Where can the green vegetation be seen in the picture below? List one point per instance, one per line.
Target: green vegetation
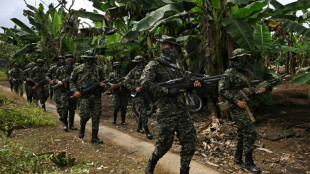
(3, 76)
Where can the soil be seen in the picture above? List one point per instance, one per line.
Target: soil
(216, 143)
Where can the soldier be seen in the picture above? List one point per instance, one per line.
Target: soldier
(29, 84)
(83, 76)
(173, 116)
(67, 106)
(119, 93)
(239, 76)
(17, 76)
(38, 76)
(50, 76)
(132, 82)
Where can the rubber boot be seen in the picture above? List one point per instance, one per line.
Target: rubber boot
(139, 129)
(150, 166)
(238, 157)
(249, 164)
(123, 119)
(114, 118)
(184, 170)
(82, 131)
(94, 138)
(43, 106)
(71, 120)
(147, 133)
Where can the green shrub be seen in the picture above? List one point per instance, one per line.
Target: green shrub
(3, 76)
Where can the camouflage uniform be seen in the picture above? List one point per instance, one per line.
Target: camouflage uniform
(120, 93)
(39, 73)
(234, 81)
(132, 81)
(66, 106)
(29, 84)
(173, 116)
(17, 74)
(83, 76)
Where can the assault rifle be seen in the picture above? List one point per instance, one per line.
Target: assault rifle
(90, 89)
(245, 93)
(40, 83)
(66, 80)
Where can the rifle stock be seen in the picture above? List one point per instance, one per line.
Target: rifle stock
(41, 82)
(67, 79)
(89, 90)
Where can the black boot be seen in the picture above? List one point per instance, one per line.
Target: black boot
(150, 166)
(94, 138)
(72, 127)
(184, 170)
(65, 127)
(238, 157)
(114, 118)
(139, 129)
(82, 131)
(249, 164)
(123, 119)
(71, 120)
(147, 133)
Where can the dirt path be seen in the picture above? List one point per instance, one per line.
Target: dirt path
(170, 162)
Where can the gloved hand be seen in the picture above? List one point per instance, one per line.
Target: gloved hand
(173, 92)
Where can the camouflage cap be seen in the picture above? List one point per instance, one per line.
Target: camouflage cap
(138, 59)
(239, 52)
(168, 39)
(89, 55)
(116, 64)
(39, 61)
(69, 55)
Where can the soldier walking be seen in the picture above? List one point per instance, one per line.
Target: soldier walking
(17, 76)
(132, 82)
(29, 83)
(119, 93)
(83, 76)
(173, 116)
(38, 76)
(239, 76)
(67, 106)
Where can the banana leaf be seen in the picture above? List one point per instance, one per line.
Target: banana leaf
(249, 9)
(262, 37)
(294, 26)
(304, 78)
(302, 70)
(25, 50)
(89, 15)
(293, 7)
(240, 31)
(22, 25)
(286, 49)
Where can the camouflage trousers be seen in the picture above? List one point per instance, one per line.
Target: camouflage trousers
(120, 102)
(41, 93)
(246, 129)
(18, 88)
(182, 124)
(29, 92)
(57, 93)
(140, 102)
(66, 107)
(90, 107)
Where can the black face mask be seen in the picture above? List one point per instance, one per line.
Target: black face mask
(170, 54)
(90, 62)
(140, 66)
(69, 64)
(241, 66)
(60, 64)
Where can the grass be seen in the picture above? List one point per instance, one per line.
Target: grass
(3, 76)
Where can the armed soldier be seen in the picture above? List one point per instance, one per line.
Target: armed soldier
(239, 76)
(119, 92)
(50, 76)
(132, 82)
(67, 106)
(29, 84)
(38, 76)
(173, 115)
(17, 76)
(82, 77)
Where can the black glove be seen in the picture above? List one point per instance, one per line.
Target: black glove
(173, 92)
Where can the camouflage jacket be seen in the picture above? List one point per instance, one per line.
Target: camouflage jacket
(132, 79)
(38, 73)
(16, 73)
(118, 79)
(83, 77)
(62, 73)
(232, 83)
(50, 75)
(155, 72)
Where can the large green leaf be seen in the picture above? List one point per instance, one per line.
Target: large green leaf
(262, 37)
(277, 5)
(24, 50)
(304, 78)
(302, 70)
(56, 24)
(238, 2)
(286, 49)
(22, 26)
(293, 7)
(89, 15)
(240, 31)
(249, 9)
(295, 27)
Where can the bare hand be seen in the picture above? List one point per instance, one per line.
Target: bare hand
(52, 82)
(138, 89)
(113, 86)
(77, 94)
(28, 79)
(14, 80)
(197, 84)
(59, 83)
(261, 90)
(102, 84)
(242, 104)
